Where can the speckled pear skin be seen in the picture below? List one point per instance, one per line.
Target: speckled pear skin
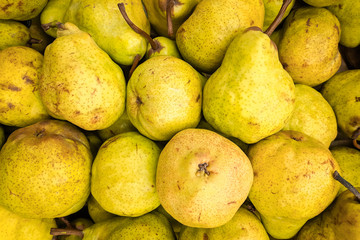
(204, 37)
(347, 12)
(13, 33)
(321, 3)
(272, 8)
(342, 93)
(20, 102)
(317, 228)
(312, 115)
(244, 225)
(190, 195)
(305, 29)
(80, 83)
(21, 10)
(164, 96)
(250, 96)
(14, 227)
(293, 181)
(123, 175)
(168, 48)
(54, 11)
(53, 178)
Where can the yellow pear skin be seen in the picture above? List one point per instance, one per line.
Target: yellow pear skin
(54, 12)
(194, 169)
(305, 29)
(80, 83)
(321, 3)
(342, 93)
(204, 37)
(293, 181)
(20, 102)
(53, 178)
(13, 33)
(250, 96)
(312, 115)
(167, 48)
(21, 10)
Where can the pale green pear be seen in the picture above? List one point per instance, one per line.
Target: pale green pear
(204, 37)
(164, 96)
(243, 226)
(96, 212)
(15, 227)
(304, 30)
(123, 175)
(342, 93)
(13, 33)
(54, 12)
(167, 47)
(293, 181)
(312, 115)
(45, 170)
(80, 83)
(347, 11)
(250, 96)
(20, 102)
(21, 10)
(195, 168)
(321, 3)
(272, 8)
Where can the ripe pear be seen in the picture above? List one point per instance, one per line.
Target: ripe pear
(21, 10)
(167, 48)
(243, 226)
(312, 115)
(80, 83)
(123, 175)
(45, 170)
(96, 212)
(204, 37)
(293, 181)
(20, 103)
(321, 3)
(342, 93)
(13, 33)
(37, 32)
(195, 168)
(272, 8)
(317, 229)
(15, 227)
(305, 29)
(164, 96)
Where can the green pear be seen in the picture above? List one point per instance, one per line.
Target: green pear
(20, 102)
(321, 3)
(21, 10)
(272, 8)
(250, 96)
(347, 11)
(204, 37)
(123, 175)
(317, 229)
(97, 212)
(37, 32)
(304, 30)
(312, 115)
(104, 22)
(80, 83)
(195, 168)
(54, 12)
(349, 162)
(13, 33)
(45, 170)
(167, 47)
(15, 227)
(342, 93)
(293, 181)
(243, 226)
(164, 96)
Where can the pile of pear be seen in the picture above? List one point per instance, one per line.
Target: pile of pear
(179, 119)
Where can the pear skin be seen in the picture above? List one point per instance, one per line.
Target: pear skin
(167, 48)
(96, 212)
(13, 33)
(21, 10)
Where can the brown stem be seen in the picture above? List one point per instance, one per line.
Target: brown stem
(34, 41)
(202, 167)
(169, 6)
(121, 7)
(57, 24)
(348, 185)
(134, 65)
(66, 232)
(278, 18)
(67, 223)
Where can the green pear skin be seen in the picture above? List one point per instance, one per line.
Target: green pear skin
(96, 212)
(13, 33)
(21, 10)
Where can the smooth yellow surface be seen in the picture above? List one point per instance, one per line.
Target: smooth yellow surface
(21, 10)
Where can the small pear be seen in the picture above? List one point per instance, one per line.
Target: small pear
(21, 10)
(13, 33)
(167, 48)
(272, 8)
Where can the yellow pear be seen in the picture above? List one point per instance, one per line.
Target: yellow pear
(21, 10)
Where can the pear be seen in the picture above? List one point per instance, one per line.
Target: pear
(167, 48)
(94, 142)
(321, 3)
(20, 103)
(45, 170)
(312, 115)
(53, 12)
(317, 229)
(243, 226)
(80, 83)
(15, 227)
(164, 96)
(13, 33)
(123, 175)
(272, 8)
(96, 212)
(21, 10)
(37, 32)
(176, 226)
(204, 37)
(293, 181)
(196, 167)
(305, 29)
(342, 93)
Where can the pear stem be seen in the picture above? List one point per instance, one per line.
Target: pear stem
(348, 185)
(278, 18)
(121, 7)
(202, 167)
(66, 232)
(34, 41)
(355, 135)
(134, 65)
(169, 6)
